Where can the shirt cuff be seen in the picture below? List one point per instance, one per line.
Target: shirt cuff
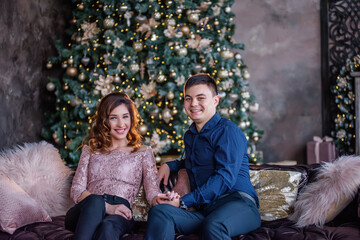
(189, 200)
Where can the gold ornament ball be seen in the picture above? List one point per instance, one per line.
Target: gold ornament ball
(64, 65)
(137, 46)
(108, 22)
(160, 78)
(223, 73)
(50, 86)
(49, 65)
(135, 68)
(173, 74)
(78, 39)
(193, 17)
(242, 125)
(174, 112)
(54, 135)
(117, 78)
(233, 96)
(178, 10)
(82, 77)
(81, 6)
(157, 15)
(246, 75)
(143, 129)
(182, 51)
(71, 60)
(256, 139)
(123, 8)
(170, 95)
(185, 29)
(170, 104)
(197, 68)
(71, 71)
(66, 87)
(85, 60)
(238, 56)
(141, 19)
(108, 41)
(170, 22)
(226, 54)
(166, 115)
(74, 21)
(88, 112)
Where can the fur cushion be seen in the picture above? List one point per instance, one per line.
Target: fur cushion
(336, 184)
(39, 170)
(17, 208)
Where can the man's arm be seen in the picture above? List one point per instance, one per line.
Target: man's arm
(230, 149)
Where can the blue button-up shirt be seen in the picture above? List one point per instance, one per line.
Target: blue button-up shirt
(216, 161)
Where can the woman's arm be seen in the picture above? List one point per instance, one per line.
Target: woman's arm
(151, 179)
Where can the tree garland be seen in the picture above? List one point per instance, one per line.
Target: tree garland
(344, 130)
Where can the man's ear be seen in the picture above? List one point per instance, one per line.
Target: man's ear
(216, 100)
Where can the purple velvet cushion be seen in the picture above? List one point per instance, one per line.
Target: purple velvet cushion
(17, 208)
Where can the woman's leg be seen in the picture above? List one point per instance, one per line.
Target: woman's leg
(85, 217)
(113, 227)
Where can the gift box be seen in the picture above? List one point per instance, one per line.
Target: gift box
(320, 150)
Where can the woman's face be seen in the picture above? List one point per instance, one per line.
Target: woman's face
(120, 123)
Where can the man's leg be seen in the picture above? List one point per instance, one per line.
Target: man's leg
(113, 227)
(165, 220)
(230, 216)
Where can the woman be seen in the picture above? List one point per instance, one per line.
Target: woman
(109, 173)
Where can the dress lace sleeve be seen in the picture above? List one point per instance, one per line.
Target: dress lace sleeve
(79, 183)
(150, 176)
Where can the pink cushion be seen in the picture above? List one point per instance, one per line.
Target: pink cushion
(17, 208)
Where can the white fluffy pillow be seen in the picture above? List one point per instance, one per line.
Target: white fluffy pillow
(335, 186)
(39, 170)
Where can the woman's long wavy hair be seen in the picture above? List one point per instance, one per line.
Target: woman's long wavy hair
(99, 137)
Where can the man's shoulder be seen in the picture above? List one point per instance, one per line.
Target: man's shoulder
(228, 124)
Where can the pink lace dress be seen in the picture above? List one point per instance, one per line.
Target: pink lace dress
(116, 173)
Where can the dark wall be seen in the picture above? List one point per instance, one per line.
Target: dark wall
(28, 32)
(282, 39)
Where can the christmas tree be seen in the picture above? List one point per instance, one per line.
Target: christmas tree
(147, 49)
(344, 120)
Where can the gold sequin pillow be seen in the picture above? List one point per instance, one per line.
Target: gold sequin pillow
(277, 191)
(140, 207)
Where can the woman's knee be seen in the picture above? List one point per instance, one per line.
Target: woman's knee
(94, 201)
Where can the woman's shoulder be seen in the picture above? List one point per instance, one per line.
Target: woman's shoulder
(144, 148)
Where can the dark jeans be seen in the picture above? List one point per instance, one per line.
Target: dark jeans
(88, 219)
(223, 218)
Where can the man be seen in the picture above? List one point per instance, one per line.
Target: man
(216, 161)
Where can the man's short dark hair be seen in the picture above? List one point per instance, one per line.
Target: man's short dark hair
(202, 78)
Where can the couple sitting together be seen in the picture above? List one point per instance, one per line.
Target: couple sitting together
(222, 202)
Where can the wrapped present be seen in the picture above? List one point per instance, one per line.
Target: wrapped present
(320, 150)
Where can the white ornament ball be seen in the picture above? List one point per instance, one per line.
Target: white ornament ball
(166, 115)
(170, 95)
(143, 129)
(138, 46)
(50, 86)
(193, 17)
(242, 125)
(82, 77)
(246, 75)
(182, 51)
(117, 78)
(108, 22)
(228, 9)
(134, 67)
(223, 73)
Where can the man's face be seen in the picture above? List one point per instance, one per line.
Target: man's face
(200, 104)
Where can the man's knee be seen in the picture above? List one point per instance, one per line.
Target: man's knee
(211, 226)
(160, 211)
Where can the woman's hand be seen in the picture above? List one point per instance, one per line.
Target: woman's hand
(171, 198)
(119, 209)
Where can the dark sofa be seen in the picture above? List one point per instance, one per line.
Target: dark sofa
(345, 226)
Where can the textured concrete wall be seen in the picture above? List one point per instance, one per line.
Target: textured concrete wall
(28, 32)
(282, 39)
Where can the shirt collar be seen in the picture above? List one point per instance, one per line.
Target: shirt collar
(209, 125)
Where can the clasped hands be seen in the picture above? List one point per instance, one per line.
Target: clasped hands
(118, 209)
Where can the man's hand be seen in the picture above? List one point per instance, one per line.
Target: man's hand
(164, 173)
(171, 198)
(119, 209)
